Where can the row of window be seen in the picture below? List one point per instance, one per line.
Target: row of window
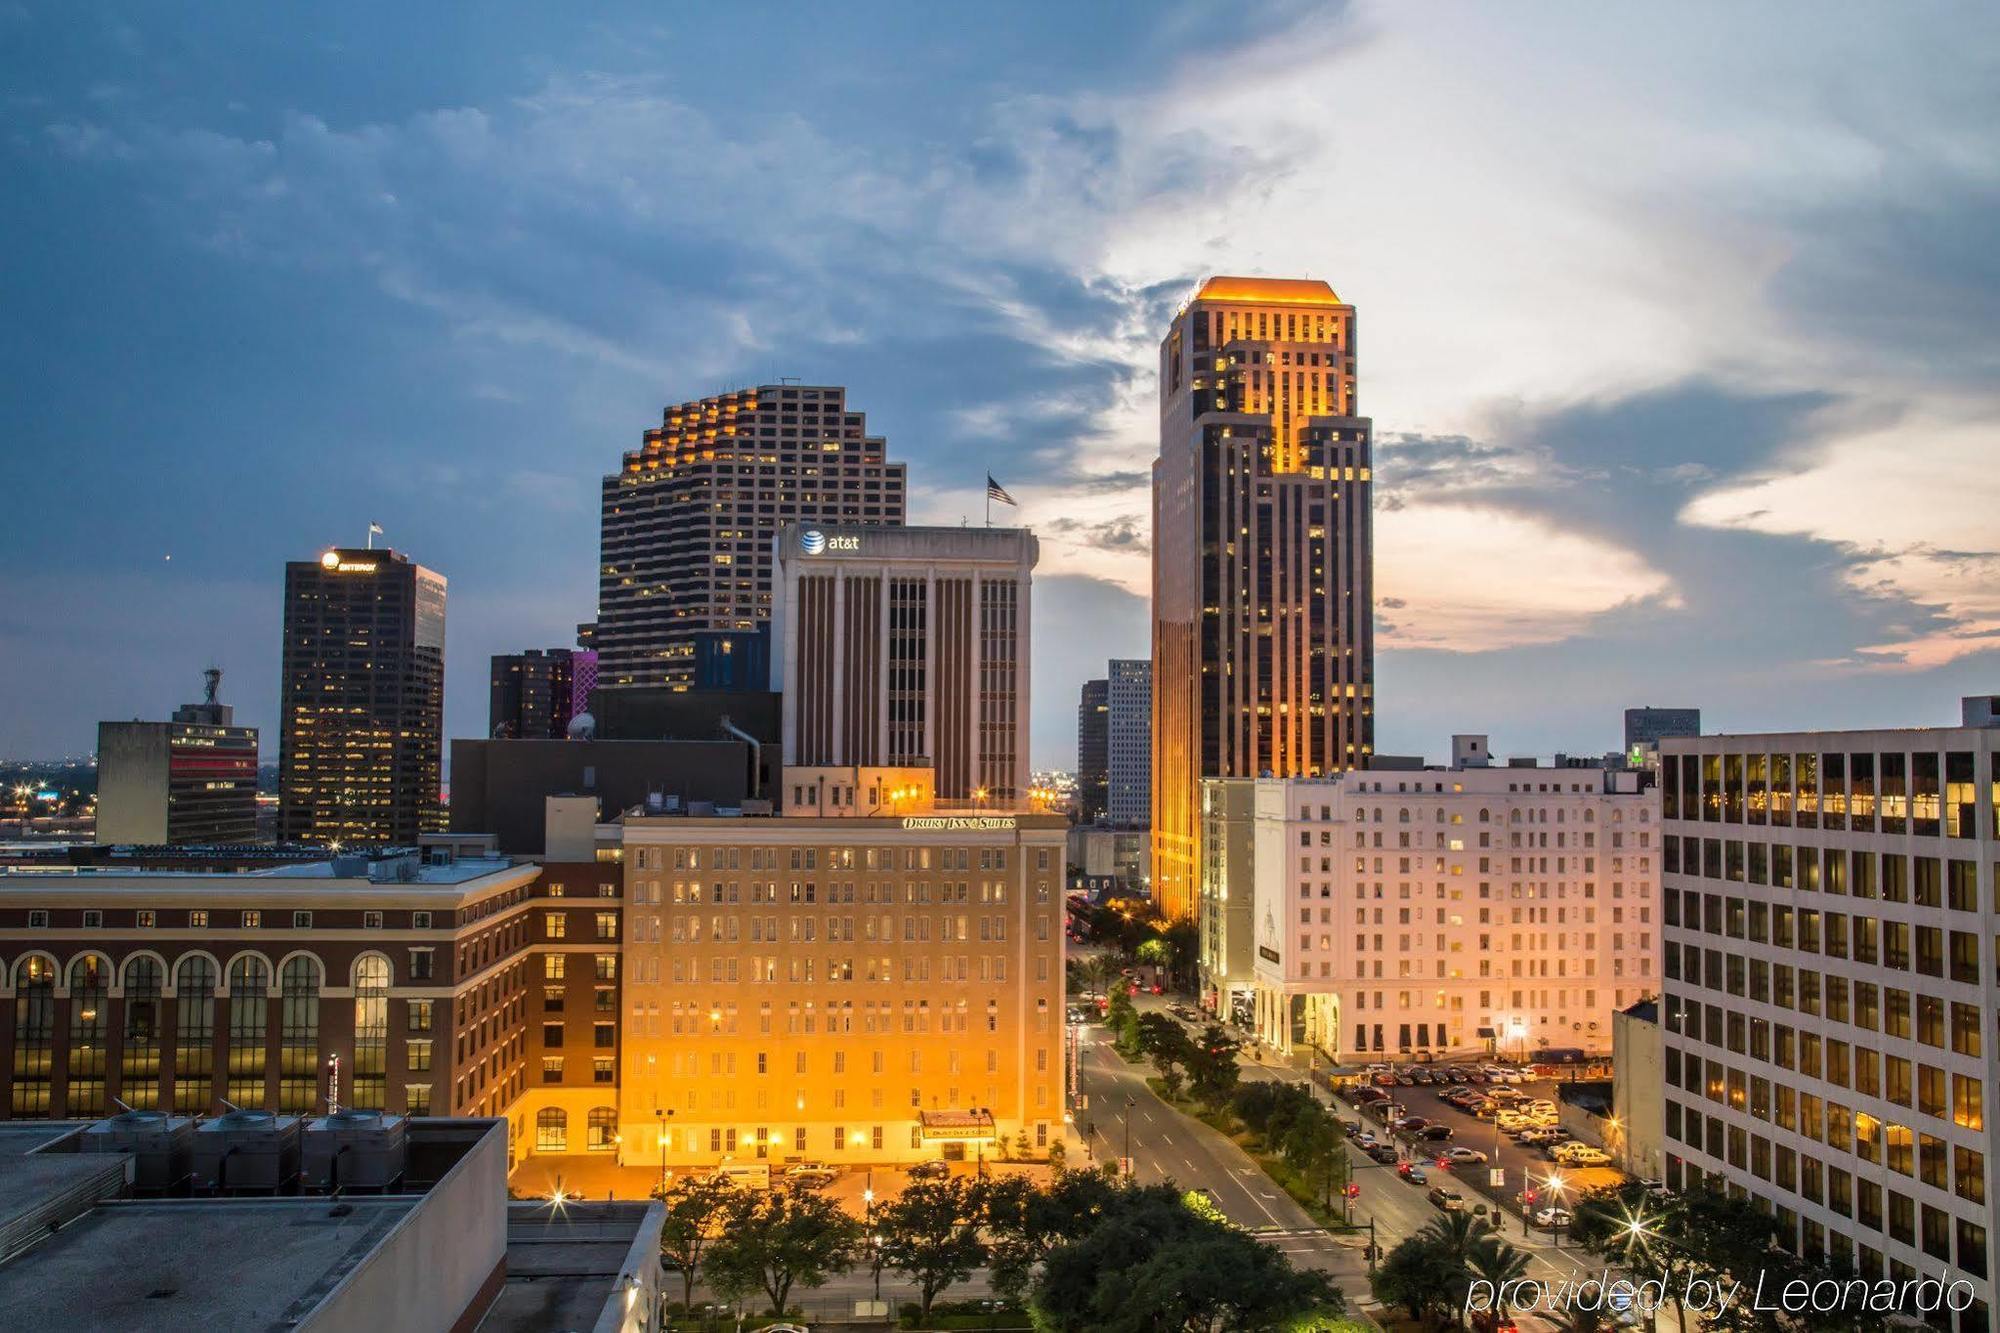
(197, 918)
(1923, 793)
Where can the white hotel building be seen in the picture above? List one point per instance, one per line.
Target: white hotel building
(1831, 1002)
(1412, 912)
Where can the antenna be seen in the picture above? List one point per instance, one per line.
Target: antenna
(211, 681)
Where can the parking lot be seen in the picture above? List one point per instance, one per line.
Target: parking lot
(1527, 1166)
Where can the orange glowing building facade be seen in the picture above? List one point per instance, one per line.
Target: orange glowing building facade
(1263, 566)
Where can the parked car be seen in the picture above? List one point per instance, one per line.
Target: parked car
(1382, 1153)
(1413, 1173)
(1542, 1106)
(1540, 1134)
(1370, 1095)
(1464, 1157)
(1385, 1079)
(744, 1175)
(1588, 1156)
(813, 1174)
(1423, 1076)
(1449, 1200)
(929, 1171)
(1435, 1133)
(1410, 1124)
(1406, 1078)
(1552, 1217)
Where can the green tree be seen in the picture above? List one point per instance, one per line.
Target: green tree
(1024, 1222)
(1147, 1262)
(695, 1207)
(1421, 1277)
(1495, 1263)
(1212, 1069)
(931, 1234)
(1154, 953)
(1318, 1151)
(778, 1240)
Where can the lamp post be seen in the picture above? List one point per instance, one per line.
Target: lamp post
(1127, 1162)
(660, 1118)
(878, 1267)
(868, 1198)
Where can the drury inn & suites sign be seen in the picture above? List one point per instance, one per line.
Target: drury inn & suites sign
(959, 823)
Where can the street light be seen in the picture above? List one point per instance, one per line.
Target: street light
(660, 1118)
(1127, 1163)
(878, 1267)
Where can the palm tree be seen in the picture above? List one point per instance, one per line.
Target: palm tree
(1496, 1264)
(1458, 1233)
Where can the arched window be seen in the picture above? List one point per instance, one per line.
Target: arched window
(1485, 816)
(551, 1130)
(298, 1052)
(139, 1063)
(194, 1034)
(371, 1032)
(603, 1129)
(249, 1030)
(89, 1025)
(34, 1035)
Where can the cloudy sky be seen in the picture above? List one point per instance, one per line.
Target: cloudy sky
(1680, 325)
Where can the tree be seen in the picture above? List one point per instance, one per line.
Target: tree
(930, 1234)
(1154, 953)
(1183, 941)
(1058, 1156)
(695, 1207)
(1024, 1222)
(1147, 1262)
(777, 1240)
(1318, 1152)
(1422, 1277)
(1212, 1071)
(1495, 1263)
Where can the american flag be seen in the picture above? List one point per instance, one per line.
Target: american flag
(995, 491)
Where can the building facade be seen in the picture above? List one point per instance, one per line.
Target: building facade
(178, 992)
(1453, 911)
(1093, 750)
(864, 989)
(532, 694)
(686, 561)
(1226, 904)
(191, 780)
(361, 734)
(1829, 1000)
(1263, 589)
(1129, 743)
(907, 648)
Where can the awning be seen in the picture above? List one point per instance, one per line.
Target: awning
(938, 1126)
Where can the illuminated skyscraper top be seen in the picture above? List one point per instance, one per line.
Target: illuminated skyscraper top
(1263, 588)
(684, 579)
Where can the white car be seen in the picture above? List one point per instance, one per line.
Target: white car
(1588, 1156)
(1465, 1157)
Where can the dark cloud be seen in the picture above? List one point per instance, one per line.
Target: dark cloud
(1120, 534)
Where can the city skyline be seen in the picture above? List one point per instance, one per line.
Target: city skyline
(1614, 416)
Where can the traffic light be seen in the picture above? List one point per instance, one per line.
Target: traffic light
(1353, 1190)
(1528, 1196)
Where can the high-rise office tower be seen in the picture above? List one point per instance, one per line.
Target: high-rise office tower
(907, 648)
(191, 780)
(1829, 1011)
(362, 725)
(685, 574)
(1263, 589)
(1129, 743)
(533, 694)
(1093, 750)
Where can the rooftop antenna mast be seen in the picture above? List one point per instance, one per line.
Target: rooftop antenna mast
(211, 681)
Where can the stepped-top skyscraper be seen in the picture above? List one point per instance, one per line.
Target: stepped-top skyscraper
(684, 578)
(361, 732)
(1263, 587)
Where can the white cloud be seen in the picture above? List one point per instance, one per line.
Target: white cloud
(1474, 580)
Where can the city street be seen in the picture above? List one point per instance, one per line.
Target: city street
(1166, 1145)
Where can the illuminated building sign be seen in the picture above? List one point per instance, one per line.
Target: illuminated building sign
(814, 542)
(332, 562)
(959, 823)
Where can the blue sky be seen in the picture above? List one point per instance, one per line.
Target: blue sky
(1680, 328)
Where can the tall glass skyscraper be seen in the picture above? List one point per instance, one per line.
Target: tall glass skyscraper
(362, 726)
(1263, 586)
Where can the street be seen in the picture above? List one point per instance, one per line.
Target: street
(1169, 1146)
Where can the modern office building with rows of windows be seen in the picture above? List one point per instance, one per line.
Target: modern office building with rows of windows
(1832, 984)
(684, 577)
(1263, 558)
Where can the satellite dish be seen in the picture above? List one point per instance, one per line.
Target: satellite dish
(583, 727)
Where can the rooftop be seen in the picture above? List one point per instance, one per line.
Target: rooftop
(565, 1263)
(1268, 291)
(197, 1264)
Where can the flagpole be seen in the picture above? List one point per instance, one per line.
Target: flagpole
(989, 499)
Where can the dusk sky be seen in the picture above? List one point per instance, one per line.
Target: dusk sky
(1679, 325)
